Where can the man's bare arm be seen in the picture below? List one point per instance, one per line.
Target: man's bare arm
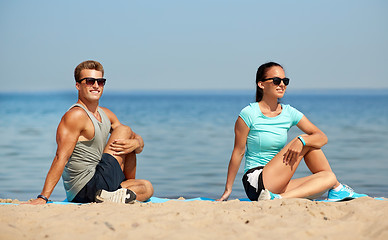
(68, 132)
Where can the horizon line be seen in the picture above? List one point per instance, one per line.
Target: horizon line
(213, 91)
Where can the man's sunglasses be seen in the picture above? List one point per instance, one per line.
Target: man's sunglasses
(90, 81)
(277, 80)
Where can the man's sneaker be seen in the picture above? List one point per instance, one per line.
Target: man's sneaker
(121, 195)
(345, 193)
(267, 195)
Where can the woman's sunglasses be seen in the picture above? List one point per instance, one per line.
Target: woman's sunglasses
(277, 80)
(90, 81)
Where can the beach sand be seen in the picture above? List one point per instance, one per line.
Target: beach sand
(363, 218)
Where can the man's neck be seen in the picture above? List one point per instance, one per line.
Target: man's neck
(90, 106)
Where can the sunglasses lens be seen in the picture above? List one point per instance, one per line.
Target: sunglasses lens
(101, 82)
(276, 80)
(91, 81)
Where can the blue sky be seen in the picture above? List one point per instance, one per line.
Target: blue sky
(194, 45)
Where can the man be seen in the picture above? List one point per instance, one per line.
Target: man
(93, 167)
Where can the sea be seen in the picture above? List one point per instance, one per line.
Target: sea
(189, 137)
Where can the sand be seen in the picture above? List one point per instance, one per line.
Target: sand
(363, 218)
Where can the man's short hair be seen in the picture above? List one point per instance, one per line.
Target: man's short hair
(89, 64)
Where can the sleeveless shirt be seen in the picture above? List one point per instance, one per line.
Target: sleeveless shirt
(82, 163)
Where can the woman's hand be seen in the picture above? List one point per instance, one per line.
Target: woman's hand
(241, 131)
(293, 152)
(124, 146)
(225, 196)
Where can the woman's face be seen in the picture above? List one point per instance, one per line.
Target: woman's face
(269, 88)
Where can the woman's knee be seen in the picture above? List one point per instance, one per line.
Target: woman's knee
(330, 178)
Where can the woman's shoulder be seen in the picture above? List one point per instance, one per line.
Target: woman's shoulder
(250, 107)
(248, 113)
(292, 111)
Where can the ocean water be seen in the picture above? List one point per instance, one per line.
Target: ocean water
(189, 138)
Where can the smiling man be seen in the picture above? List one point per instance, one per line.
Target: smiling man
(94, 166)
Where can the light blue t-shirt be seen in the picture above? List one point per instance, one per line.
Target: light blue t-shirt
(267, 135)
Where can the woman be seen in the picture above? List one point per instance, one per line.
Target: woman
(262, 128)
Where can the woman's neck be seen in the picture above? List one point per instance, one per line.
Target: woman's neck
(269, 104)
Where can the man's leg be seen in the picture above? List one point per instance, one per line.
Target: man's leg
(129, 168)
(142, 188)
(120, 132)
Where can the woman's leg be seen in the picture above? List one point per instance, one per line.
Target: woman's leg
(277, 176)
(315, 184)
(316, 161)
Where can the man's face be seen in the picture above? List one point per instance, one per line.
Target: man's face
(90, 92)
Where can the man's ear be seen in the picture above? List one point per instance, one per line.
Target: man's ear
(77, 85)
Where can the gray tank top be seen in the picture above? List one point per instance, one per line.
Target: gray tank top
(86, 155)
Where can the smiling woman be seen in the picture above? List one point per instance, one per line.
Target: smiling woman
(270, 164)
(273, 69)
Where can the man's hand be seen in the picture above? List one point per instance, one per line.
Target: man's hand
(141, 142)
(124, 146)
(37, 201)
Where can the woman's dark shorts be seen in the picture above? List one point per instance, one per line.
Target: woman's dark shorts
(108, 176)
(253, 182)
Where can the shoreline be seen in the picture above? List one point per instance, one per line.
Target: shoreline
(363, 218)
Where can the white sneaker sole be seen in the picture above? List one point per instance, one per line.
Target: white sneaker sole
(121, 195)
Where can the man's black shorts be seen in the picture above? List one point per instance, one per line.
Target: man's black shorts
(108, 176)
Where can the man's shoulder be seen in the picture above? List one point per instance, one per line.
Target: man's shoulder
(76, 111)
(106, 110)
(112, 117)
(76, 115)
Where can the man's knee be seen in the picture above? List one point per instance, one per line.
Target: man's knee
(145, 187)
(148, 186)
(124, 130)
